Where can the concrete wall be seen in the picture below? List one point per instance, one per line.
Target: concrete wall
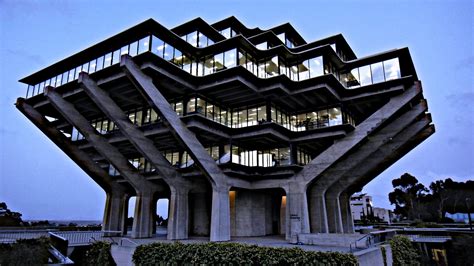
(373, 256)
(199, 214)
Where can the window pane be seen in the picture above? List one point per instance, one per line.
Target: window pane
(243, 118)
(99, 63)
(78, 70)
(64, 77)
(303, 70)
(168, 55)
(70, 76)
(226, 33)
(262, 46)
(116, 57)
(252, 117)
(193, 38)
(85, 67)
(219, 61)
(202, 40)
(108, 60)
(262, 114)
(157, 46)
(272, 67)
(210, 111)
(124, 50)
(133, 48)
(200, 105)
(281, 36)
(179, 108)
(335, 116)
(178, 58)
(316, 66)
(209, 66)
(191, 106)
(230, 58)
(365, 75)
(392, 69)
(143, 45)
(377, 72)
(352, 78)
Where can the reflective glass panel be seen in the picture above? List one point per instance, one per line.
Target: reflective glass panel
(316, 66)
(365, 75)
(200, 106)
(192, 38)
(377, 72)
(99, 63)
(108, 60)
(168, 55)
(230, 58)
(158, 46)
(335, 116)
(191, 106)
(392, 69)
(219, 61)
(116, 57)
(133, 48)
(143, 45)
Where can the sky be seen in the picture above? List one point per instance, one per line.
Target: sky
(41, 182)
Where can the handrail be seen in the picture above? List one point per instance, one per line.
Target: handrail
(369, 239)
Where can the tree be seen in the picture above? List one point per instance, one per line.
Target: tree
(9, 218)
(407, 196)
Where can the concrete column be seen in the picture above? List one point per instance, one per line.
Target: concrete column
(283, 215)
(178, 214)
(297, 221)
(333, 213)
(143, 220)
(346, 213)
(220, 214)
(319, 222)
(114, 216)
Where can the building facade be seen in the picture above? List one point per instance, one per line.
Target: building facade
(247, 132)
(362, 208)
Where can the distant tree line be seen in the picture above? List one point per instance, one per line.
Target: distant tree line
(8, 217)
(414, 201)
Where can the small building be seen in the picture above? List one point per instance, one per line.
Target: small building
(362, 207)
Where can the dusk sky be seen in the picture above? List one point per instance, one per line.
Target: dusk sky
(40, 181)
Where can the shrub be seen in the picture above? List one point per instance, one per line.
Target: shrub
(403, 252)
(99, 254)
(25, 252)
(234, 254)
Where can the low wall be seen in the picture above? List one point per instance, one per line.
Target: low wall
(374, 256)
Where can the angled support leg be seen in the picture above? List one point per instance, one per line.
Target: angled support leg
(319, 220)
(114, 214)
(298, 216)
(347, 221)
(178, 214)
(334, 213)
(220, 214)
(143, 219)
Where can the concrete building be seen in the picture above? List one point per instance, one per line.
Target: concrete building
(247, 132)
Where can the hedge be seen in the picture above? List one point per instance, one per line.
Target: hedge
(234, 254)
(99, 254)
(403, 251)
(25, 252)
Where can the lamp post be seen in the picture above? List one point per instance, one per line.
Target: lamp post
(468, 205)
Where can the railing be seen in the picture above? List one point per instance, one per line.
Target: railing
(367, 239)
(427, 238)
(11, 236)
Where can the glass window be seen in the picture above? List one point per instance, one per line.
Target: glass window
(210, 111)
(335, 116)
(202, 40)
(208, 65)
(225, 119)
(352, 78)
(124, 50)
(192, 38)
(179, 108)
(365, 75)
(154, 116)
(272, 67)
(316, 66)
(92, 66)
(323, 118)
(235, 154)
(99, 63)
(187, 64)
(261, 70)
(377, 72)
(243, 118)
(252, 117)
(282, 38)
(168, 55)
(58, 81)
(303, 70)
(85, 67)
(191, 106)
(230, 58)
(200, 106)
(262, 46)
(116, 57)
(283, 68)
(71, 75)
(143, 45)
(262, 114)
(219, 61)
(226, 33)
(392, 69)
(178, 58)
(133, 48)
(235, 119)
(78, 70)
(284, 156)
(108, 60)
(293, 71)
(158, 46)
(64, 77)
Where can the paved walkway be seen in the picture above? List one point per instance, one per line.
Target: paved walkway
(122, 253)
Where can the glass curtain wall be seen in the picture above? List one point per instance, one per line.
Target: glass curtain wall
(371, 74)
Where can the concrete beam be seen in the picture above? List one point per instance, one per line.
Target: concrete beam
(220, 214)
(111, 153)
(341, 147)
(99, 175)
(158, 102)
(297, 218)
(178, 214)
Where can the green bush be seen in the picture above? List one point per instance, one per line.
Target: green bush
(25, 252)
(234, 254)
(403, 251)
(99, 254)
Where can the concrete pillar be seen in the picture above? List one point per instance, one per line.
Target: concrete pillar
(297, 220)
(178, 214)
(333, 213)
(199, 214)
(319, 222)
(143, 220)
(220, 214)
(114, 213)
(346, 213)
